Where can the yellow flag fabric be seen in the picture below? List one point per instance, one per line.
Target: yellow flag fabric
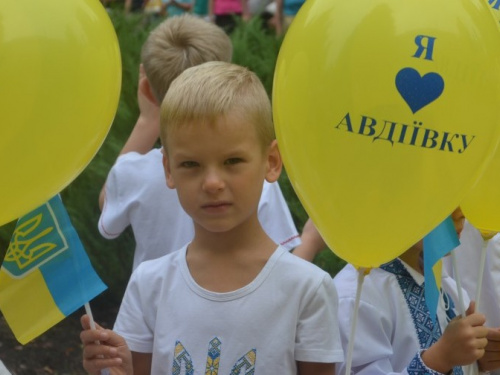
(46, 274)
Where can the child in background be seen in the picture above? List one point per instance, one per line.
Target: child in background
(395, 333)
(224, 13)
(232, 301)
(135, 192)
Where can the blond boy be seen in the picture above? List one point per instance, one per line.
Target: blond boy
(232, 301)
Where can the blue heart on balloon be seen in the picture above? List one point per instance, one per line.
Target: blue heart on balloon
(416, 90)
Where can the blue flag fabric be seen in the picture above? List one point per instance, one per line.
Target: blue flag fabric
(46, 274)
(439, 242)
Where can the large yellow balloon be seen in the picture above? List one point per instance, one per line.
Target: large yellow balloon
(482, 204)
(386, 113)
(60, 78)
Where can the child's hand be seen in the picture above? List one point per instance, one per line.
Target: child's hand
(491, 359)
(104, 349)
(462, 343)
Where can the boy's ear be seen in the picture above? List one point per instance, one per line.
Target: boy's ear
(145, 87)
(274, 162)
(166, 169)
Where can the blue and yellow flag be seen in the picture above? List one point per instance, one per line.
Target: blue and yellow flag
(46, 274)
(439, 242)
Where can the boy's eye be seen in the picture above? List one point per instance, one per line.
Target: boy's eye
(188, 164)
(232, 161)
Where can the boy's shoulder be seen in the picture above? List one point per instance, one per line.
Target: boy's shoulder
(131, 170)
(377, 284)
(134, 159)
(157, 268)
(298, 267)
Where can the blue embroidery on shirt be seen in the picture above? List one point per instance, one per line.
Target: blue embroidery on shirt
(415, 298)
(181, 356)
(213, 357)
(182, 360)
(246, 364)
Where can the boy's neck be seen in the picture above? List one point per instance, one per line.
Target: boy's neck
(224, 262)
(412, 257)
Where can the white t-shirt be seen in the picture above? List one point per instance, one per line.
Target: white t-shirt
(137, 195)
(385, 341)
(288, 313)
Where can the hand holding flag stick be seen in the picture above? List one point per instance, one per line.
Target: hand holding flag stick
(93, 327)
(104, 351)
(486, 236)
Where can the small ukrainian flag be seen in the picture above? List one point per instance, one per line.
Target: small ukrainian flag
(438, 243)
(46, 274)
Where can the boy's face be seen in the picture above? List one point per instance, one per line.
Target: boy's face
(458, 220)
(219, 170)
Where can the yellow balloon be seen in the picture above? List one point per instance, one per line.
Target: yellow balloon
(481, 205)
(60, 78)
(386, 113)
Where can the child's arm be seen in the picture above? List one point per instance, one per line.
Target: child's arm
(211, 14)
(312, 242)
(146, 130)
(142, 363)
(315, 368)
(245, 12)
(277, 20)
(462, 343)
(128, 6)
(104, 349)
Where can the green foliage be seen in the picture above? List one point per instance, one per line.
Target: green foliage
(256, 49)
(253, 48)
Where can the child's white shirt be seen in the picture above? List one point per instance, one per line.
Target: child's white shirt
(288, 313)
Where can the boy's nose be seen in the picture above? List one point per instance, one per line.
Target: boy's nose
(213, 181)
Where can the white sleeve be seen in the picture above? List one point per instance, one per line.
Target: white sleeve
(318, 337)
(114, 217)
(372, 346)
(275, 217)
(132, 322)
(490, 300)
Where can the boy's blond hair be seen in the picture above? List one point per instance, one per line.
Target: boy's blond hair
(203, 93)
(179, 43)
